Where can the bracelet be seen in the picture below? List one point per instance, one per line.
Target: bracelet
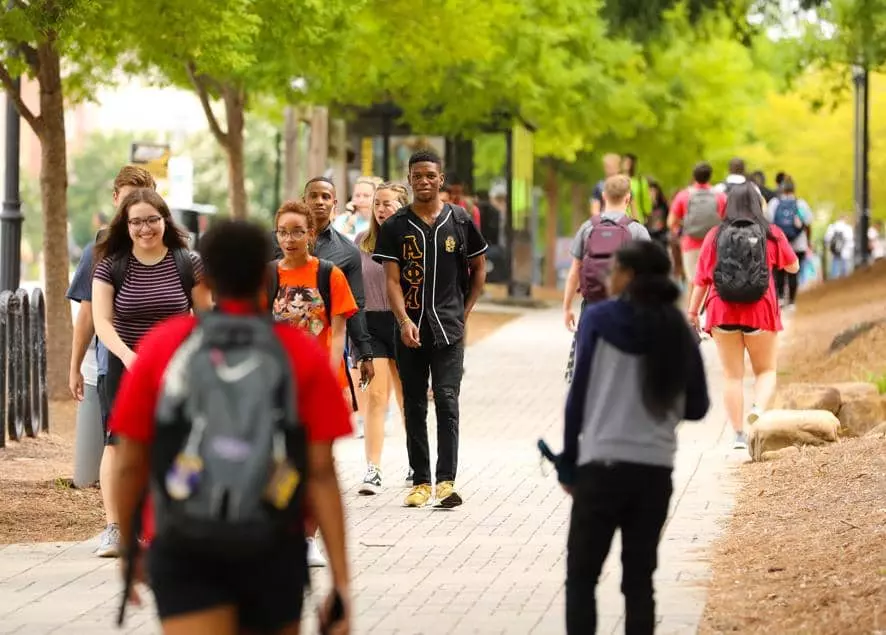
(403, 321)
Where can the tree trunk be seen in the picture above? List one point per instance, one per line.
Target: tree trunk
(53, 195)
(291, 163)
(319, 148)
(581, 208)
(553, 206)
(338, 133)
(235, 117)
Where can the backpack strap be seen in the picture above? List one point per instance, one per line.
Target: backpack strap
(272, 283)
(185, 267)
(324, 286)
(119, 265)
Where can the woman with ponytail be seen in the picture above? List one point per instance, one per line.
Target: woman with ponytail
(638, 373)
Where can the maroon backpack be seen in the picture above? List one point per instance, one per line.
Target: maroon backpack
(604, 240)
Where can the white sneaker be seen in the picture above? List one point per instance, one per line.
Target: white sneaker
(371, 482)
(109, 542)
(315, 558)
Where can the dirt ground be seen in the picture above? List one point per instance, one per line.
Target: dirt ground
(37, 501)
(805, 550)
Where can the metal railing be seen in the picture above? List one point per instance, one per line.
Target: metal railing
(24, 403)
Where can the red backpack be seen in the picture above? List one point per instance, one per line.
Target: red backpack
(604, 240)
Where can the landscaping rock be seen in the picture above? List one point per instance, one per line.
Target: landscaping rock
(851, 390)
(784, 453)
(861, 413)
(808, 397)
(878, 431)
(778, 429)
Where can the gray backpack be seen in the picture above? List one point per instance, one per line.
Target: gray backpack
(702, 213)
(229, 458)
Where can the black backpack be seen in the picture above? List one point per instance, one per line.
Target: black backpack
(741, 274)
(838, 242)
(324, 285)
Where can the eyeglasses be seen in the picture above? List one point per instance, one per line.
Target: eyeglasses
(151, 221)
(283, 234)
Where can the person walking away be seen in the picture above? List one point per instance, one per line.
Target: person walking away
(695, 211)
(611, 167)
(735, 177)
(759, 179)
(657, 223)
(311, 294)
(735, 274)
(794, 218)
(592, 249)
(641, 199)
(434, 262)
(638, 372)
(382, 325)
(361, 200)
(204, 392)
(458, 196)
(839, 238)
(330, 244)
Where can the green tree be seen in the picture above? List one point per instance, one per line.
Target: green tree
(235, 52)
(67, 47)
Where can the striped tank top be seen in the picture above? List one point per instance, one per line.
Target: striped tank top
(150, 294)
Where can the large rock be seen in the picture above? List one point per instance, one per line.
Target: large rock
(852, 390)
(860, 413)
(807, 397)
(879, 430)
(777, 429)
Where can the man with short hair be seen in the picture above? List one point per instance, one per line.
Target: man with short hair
(611, 166)
(691, 217)
(759, 179)
(735, 177)
(130, 177)
(434, 261)
(794, 217)
(617, 200)
(332, 245)
(197, 591)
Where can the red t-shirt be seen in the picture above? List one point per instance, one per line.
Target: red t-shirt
(764, 313)
(321, 406)
(679, 207)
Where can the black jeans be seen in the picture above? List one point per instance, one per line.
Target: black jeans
(630, 497)
(445, 366)
(792, 279)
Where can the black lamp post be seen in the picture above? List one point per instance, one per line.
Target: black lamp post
(862, 145)
(11, 216)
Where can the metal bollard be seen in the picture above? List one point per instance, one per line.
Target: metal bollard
(5, 298)
(39, 389)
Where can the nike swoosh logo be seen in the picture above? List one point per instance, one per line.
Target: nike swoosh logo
(233, 374)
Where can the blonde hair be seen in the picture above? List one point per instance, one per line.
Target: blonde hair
(367, 245)
(617, 188)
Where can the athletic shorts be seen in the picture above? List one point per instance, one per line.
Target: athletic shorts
(737, 328)
(268, 591)
(383, 333)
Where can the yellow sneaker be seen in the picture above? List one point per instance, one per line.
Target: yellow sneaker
(447, 497)
(418, 496)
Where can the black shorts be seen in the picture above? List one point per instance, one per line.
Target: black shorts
(383, 333)
(107, 387)
(738, 328)
(267, 591)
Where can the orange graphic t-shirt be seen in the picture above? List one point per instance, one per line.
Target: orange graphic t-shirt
(299, 303)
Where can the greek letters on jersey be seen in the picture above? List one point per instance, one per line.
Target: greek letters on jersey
(431, 260)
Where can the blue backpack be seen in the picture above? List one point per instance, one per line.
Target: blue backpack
(786, 213)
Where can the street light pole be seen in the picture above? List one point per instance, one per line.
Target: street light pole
(11, 216)
(862, 146)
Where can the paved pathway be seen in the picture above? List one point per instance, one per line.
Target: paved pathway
(495, 565)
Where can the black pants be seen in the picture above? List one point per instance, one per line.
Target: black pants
(108, 393)
(630, 497)
(445, 367)
(791, 279)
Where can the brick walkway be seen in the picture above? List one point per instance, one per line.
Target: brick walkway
(495, 565)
